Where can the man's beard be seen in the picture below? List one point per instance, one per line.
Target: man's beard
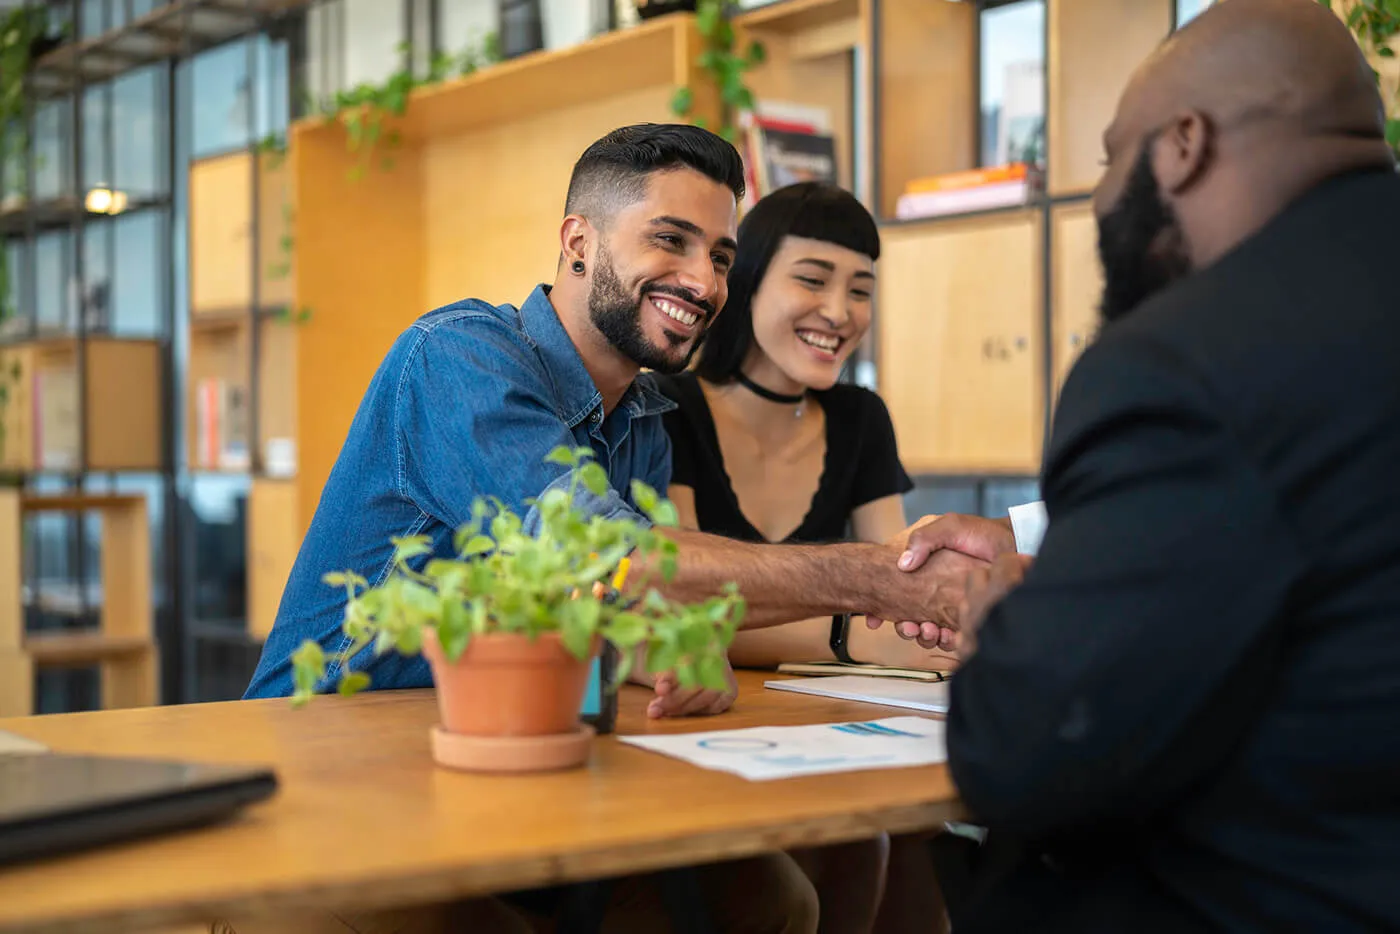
(1141, 244)
(618, 316)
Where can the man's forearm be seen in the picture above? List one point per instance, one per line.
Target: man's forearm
(786, 583)
(780, 583)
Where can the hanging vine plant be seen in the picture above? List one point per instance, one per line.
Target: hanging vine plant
(725, 67)
(1376, 23)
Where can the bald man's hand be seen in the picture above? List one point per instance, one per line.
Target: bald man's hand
(951, 546)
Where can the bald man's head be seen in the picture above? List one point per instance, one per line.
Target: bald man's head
(1232, 118)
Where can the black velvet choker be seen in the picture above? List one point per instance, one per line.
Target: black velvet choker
(768, 394)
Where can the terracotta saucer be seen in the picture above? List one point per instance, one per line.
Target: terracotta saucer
(512, 753)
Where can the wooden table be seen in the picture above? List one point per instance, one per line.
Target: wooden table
(364, 819)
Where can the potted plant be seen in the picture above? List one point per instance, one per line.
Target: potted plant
(511, 623)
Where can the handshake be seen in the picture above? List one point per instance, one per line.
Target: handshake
(952, 568)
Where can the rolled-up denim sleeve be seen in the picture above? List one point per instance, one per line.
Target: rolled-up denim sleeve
(475, 418)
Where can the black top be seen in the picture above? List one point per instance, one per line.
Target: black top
(1189, 713)
(861, 465)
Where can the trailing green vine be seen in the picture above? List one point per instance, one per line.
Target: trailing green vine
(362, 111)
(724, 65)
(1375, 23)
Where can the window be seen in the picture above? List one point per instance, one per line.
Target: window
(140, 131)
(1187, 10)
(1013, 82)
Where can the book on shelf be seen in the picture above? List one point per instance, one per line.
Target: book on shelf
(783, 144)
(1009, 185)
(221, 425)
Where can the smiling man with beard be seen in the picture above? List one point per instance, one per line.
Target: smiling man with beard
(1183, 714)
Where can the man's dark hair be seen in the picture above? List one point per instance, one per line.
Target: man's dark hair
(814, 210)
(613, 171)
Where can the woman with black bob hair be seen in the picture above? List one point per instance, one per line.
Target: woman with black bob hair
(769, 445)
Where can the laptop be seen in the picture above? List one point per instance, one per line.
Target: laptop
(52, 803)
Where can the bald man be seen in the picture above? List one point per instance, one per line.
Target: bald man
(1184, 713)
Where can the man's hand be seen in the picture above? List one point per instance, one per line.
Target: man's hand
(672, 700)
(985, 588)
(972, 535)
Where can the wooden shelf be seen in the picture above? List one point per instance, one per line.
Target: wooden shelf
(218, 393)
(655, 52)
(221, 234)
(78, 649)
(122, 645)
(116, 415)
(793, 16)
(927, 81)
(1094, 47)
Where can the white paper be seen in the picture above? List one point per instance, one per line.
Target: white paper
(915, 695)
(763, 753)
(14, 744)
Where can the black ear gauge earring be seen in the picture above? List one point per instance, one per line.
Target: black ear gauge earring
(578, 267)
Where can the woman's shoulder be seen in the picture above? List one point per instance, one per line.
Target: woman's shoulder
(851, 400)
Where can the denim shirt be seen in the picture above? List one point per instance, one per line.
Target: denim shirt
(467, 403)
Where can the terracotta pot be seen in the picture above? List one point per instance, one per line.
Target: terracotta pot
(509, 685)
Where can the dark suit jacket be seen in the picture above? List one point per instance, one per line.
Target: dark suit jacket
(1188, 717)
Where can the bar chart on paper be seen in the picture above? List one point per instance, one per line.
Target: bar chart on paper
(765, 753)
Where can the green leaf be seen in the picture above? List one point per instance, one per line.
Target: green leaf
(477, 545)
(669, 565)
(561, 455)
(665, 514)
(681, 101)
(1392, 133)
(409, 547)
(1385, 51)
(627, 630)
(594, 478)
(353, 682)
(713, 673)
(334, 578)
(644, 496)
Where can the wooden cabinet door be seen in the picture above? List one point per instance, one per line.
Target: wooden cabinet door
(960, 336)
(1077, 285)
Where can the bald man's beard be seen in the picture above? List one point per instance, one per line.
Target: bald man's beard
(618, 316)
(1141, 244)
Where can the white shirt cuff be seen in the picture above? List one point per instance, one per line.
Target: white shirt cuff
(1028, 522)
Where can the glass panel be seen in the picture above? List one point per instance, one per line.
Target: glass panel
(373, 31)
(1013, 83)
(220, 99)
(273, 95)
(92, 17)
(1187, 10)
(53, 265)
(97, 276)
(219, 507)
(52, 145)
(97, 170)
(139, 295)
(14, 315)
(139, 143)
(142, 7)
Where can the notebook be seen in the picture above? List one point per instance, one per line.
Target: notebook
(862, 668)
(915, 695)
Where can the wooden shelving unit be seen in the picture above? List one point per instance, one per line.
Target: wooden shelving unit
(122, 646)
(94, 406)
